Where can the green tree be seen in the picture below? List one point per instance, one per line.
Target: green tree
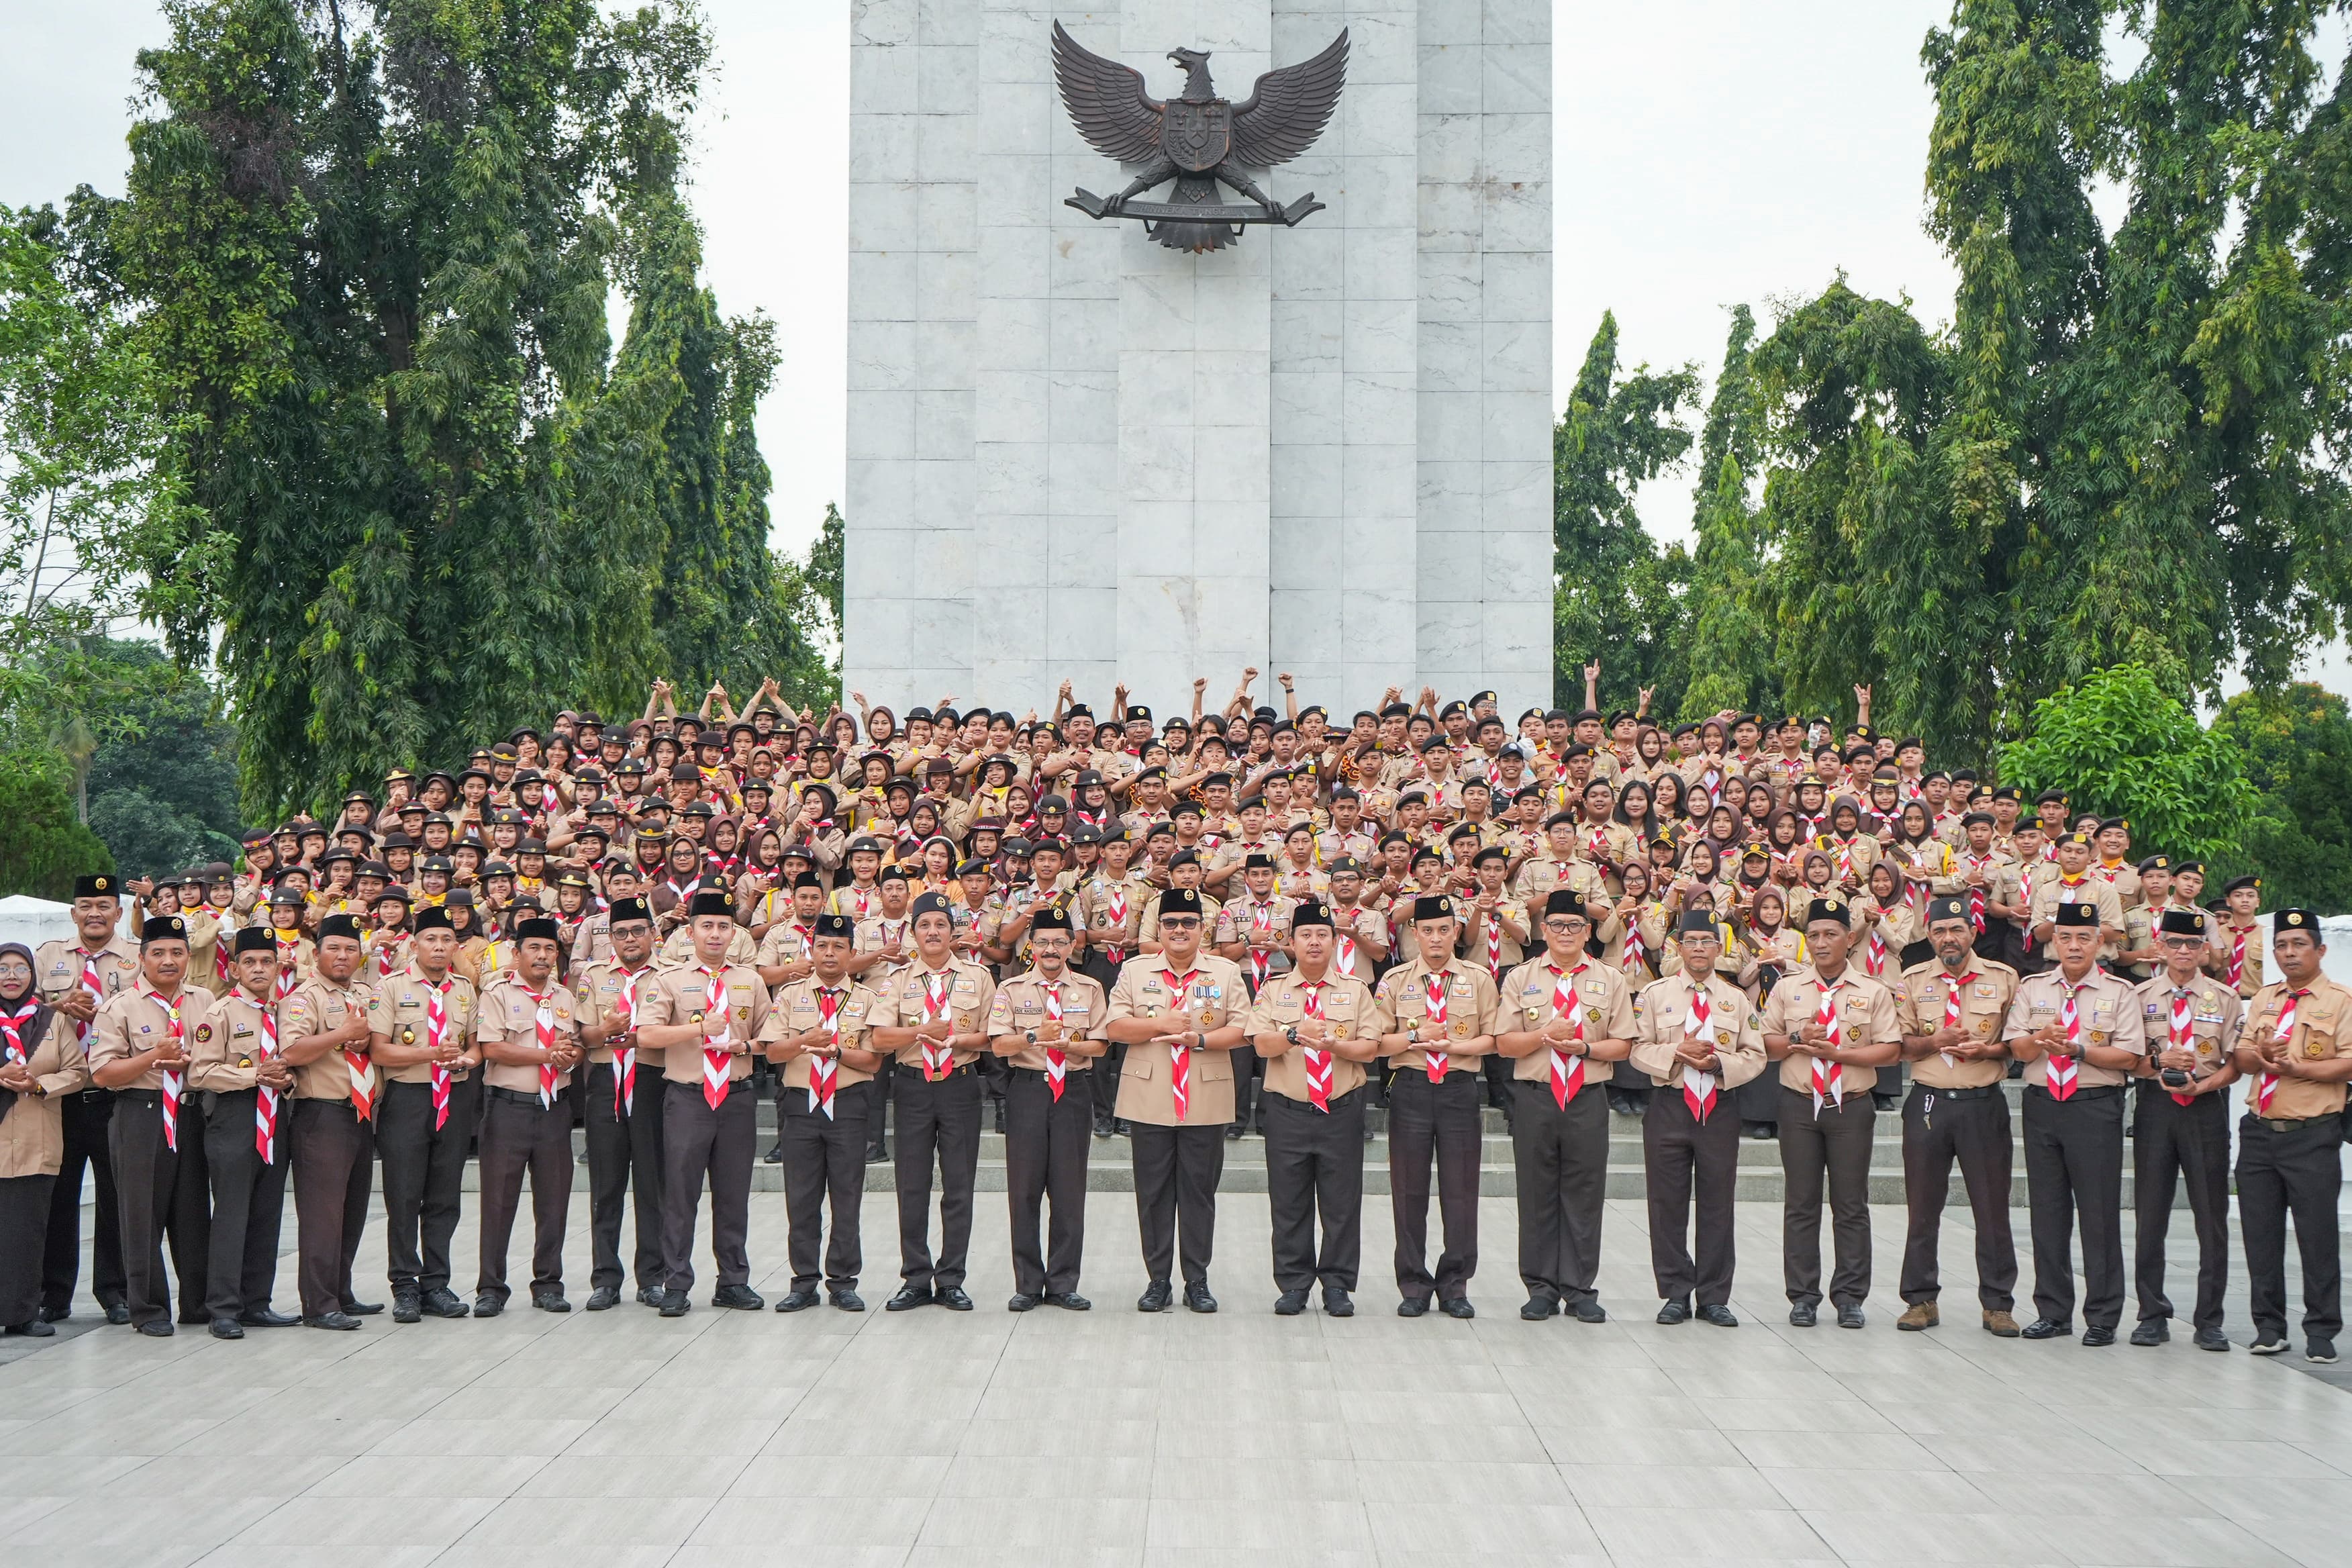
(1617, 599)
(2120, 744)
(2296, 745)
(44, 845)
(1731, 657)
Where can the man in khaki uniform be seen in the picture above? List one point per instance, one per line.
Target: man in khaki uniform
(2075, 884)
(624, 1118)
(817, 1034)
(76, 977)
(420, 1037)
(1313, 1027)
(1436, 1015)
(529, 1037)
(1831, 1027)
(1048, 1023)
(1565, 1021)
(2296, 1053)
(1952, 1009)
(238, 1074)
(2080, 1034)
(1180, 1012)
(322, 1031)
(1697, 1040)
(1109, 909)
(2181, 1128)
(933, 1015)
(146, 1033)
(703, 1018)
(2237, 955)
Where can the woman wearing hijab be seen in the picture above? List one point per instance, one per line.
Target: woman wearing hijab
(39, 1066)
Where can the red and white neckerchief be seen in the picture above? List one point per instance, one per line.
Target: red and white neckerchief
(2237, 956)
(1115, 911)
(1711, 782)
(1180, 1071)
(2266, 1084)
(1698, 1088)
(288, 967)
(386, 947)
(1343, 959)
(1952, 985)
(1873, 957)
(1433, 994)
(863, 898)
(1494, 941)
(174, 1078)
(1596, 844)
(1567, 1067)
(1634, 959)
(1977, 862)
(825, 1072)
(2063, 1068)
(938, 1056)
(13, 1049)
(2180, 1034)
(1058, 1060)
(436, 1029)
(2070, 887)
(1260, 958)
(265, 1102)
(716, 1060)
(1317, 1061)
(543, 1023)
(624, 1050)
(1828, 1077)
(221, 969)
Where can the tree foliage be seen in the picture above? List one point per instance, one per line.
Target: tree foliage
(2296, 745)
(2120, 744)
(1731, 653)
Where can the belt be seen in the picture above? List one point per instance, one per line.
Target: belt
(1076, 1064)
(2102, 1091)
(956, 1071)
(521, 1096)
(2289, 1123)
(1980, 1093)
(93, 1096)
(143, 1096)
(1337, 1101)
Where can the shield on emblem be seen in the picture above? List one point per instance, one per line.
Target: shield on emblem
(1196, 136)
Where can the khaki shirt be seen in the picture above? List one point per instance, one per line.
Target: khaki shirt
(1248, 918)
(1210, 909)
(229, 1058)
(877, 936)
(1986, 990)
(787, 942)
(680, 995)
(1214, 996)
(1502, 953)
(131, 1021)
(397, 1010)
(2107, 1008)
(57, 969)
(1111, 912)
(1345, 1004)
(1401, 1004)
(2049, 893)
(511, 1012)
(1020, 1004)
(1867, 1016)
(798, 1010)
(597, 988)
(1356, 935)
(2225, 937)
(206, 952)
(2215, 1015)
(1527, 999)
(899, 1002)
(679, 947)
(322, 1007)
(1659, 1010)
(2318, 1035)
(32, 1135)
(1540, 876)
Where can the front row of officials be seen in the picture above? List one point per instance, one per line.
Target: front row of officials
(413, 1068)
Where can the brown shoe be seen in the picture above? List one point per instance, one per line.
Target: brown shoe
(2000, 1325)
(1922, 1315)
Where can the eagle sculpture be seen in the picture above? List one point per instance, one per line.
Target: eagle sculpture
(1198, 139)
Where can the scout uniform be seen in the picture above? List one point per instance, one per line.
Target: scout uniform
(1958, 1111)
(1111, 913)
(1048, 1115)
(935, 1095)
(1559, 1117)
(32, 1144)
(526, 1126)
(84, 1119)
(2290, 1154)
(2177, 1133)
(424, 1123)
(1690, 1140)
(2237, 955)
(624, 1117)
(1434, 1101)
(332, 1130)
(1255, 923)
(248, 1153)
(824, 1108)
(2075, 1137)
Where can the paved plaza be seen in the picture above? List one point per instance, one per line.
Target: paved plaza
(1111, 1437)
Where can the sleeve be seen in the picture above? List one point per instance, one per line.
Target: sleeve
(1885, 1020)
(1101, 1030)
(1122, 998)
(73, 1067)
(109, 1039)
(1622, 1023)
(1000, 1014)
(2021, 1016)
(490, 1014)
(1259, 1019)
(1384, 1013)
(1489, 1003)
(773, 1027)
(1775, 1016)
(2131, 1024)
(1746, 1059)
(761, 1008)
(298, 1017)
(379, 1011)
(1649, 1053)
(655, 1002)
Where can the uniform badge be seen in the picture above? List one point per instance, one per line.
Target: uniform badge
(407, 1036)
(1723, 1037)
(697, 1018)
(203, 1033)
(245, 1061)
(1592, 1015)
(2313, 1050)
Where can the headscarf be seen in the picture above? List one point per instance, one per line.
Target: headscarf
(35, 1024)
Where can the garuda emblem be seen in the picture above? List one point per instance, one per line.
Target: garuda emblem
(1197, 139)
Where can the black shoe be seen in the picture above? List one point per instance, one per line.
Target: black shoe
(1719, 1315)
(161, 1328)
(56, 1314)
(1367, 1132)
(877, 1153)
(1021, 1301)
(1102, 1126)
(1068, 1301)
(362, 1309)
(741, 1298)
(2151, 1331)
(1197, 1296)
(674, 1304)
(1850, 1317)
(2097, 1337)
(549, 1302)
(651, 1295)
(2043, 1328)
(2274, 1345)
(1536, 1309)
(1674, 1311)
(228, 1329)
(1155, 1298)
(1763, 1132)
(848, 1300)
(1590, 1313)
(1803, 1315)
(775, 1154)
(268, 1318)
(406, 1308)
(489, 1304)
(908, 1297)
(336, 1320)
(953, 1298)
(796, 1301)
(443, 1303)
(1414, 1307)
(999, 1123)
(1459, 1306)
(603, 1297)
(118, 1314)
(2320, 1352)
(1290, 1303)
(1233, 1132)
(1337, 1303)
(2211, 1340)
(1120, 1125)
(37, 1327)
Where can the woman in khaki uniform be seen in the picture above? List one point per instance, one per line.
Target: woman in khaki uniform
(39, 1064)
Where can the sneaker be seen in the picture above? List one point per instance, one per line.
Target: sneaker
(2320, 1352)
(2276, 1345)
(2151, 1331)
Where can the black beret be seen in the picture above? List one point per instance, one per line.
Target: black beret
(933, 904)
(2156, 863)
(432, 918)
(1696, 923)
(835, 925)
(2235, 883)
(2077, 915)
(1432, 907)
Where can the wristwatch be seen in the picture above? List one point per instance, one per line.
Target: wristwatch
(1030, 1035)
(1291, 1034)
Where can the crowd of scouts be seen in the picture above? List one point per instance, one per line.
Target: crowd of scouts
(1261, 922)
